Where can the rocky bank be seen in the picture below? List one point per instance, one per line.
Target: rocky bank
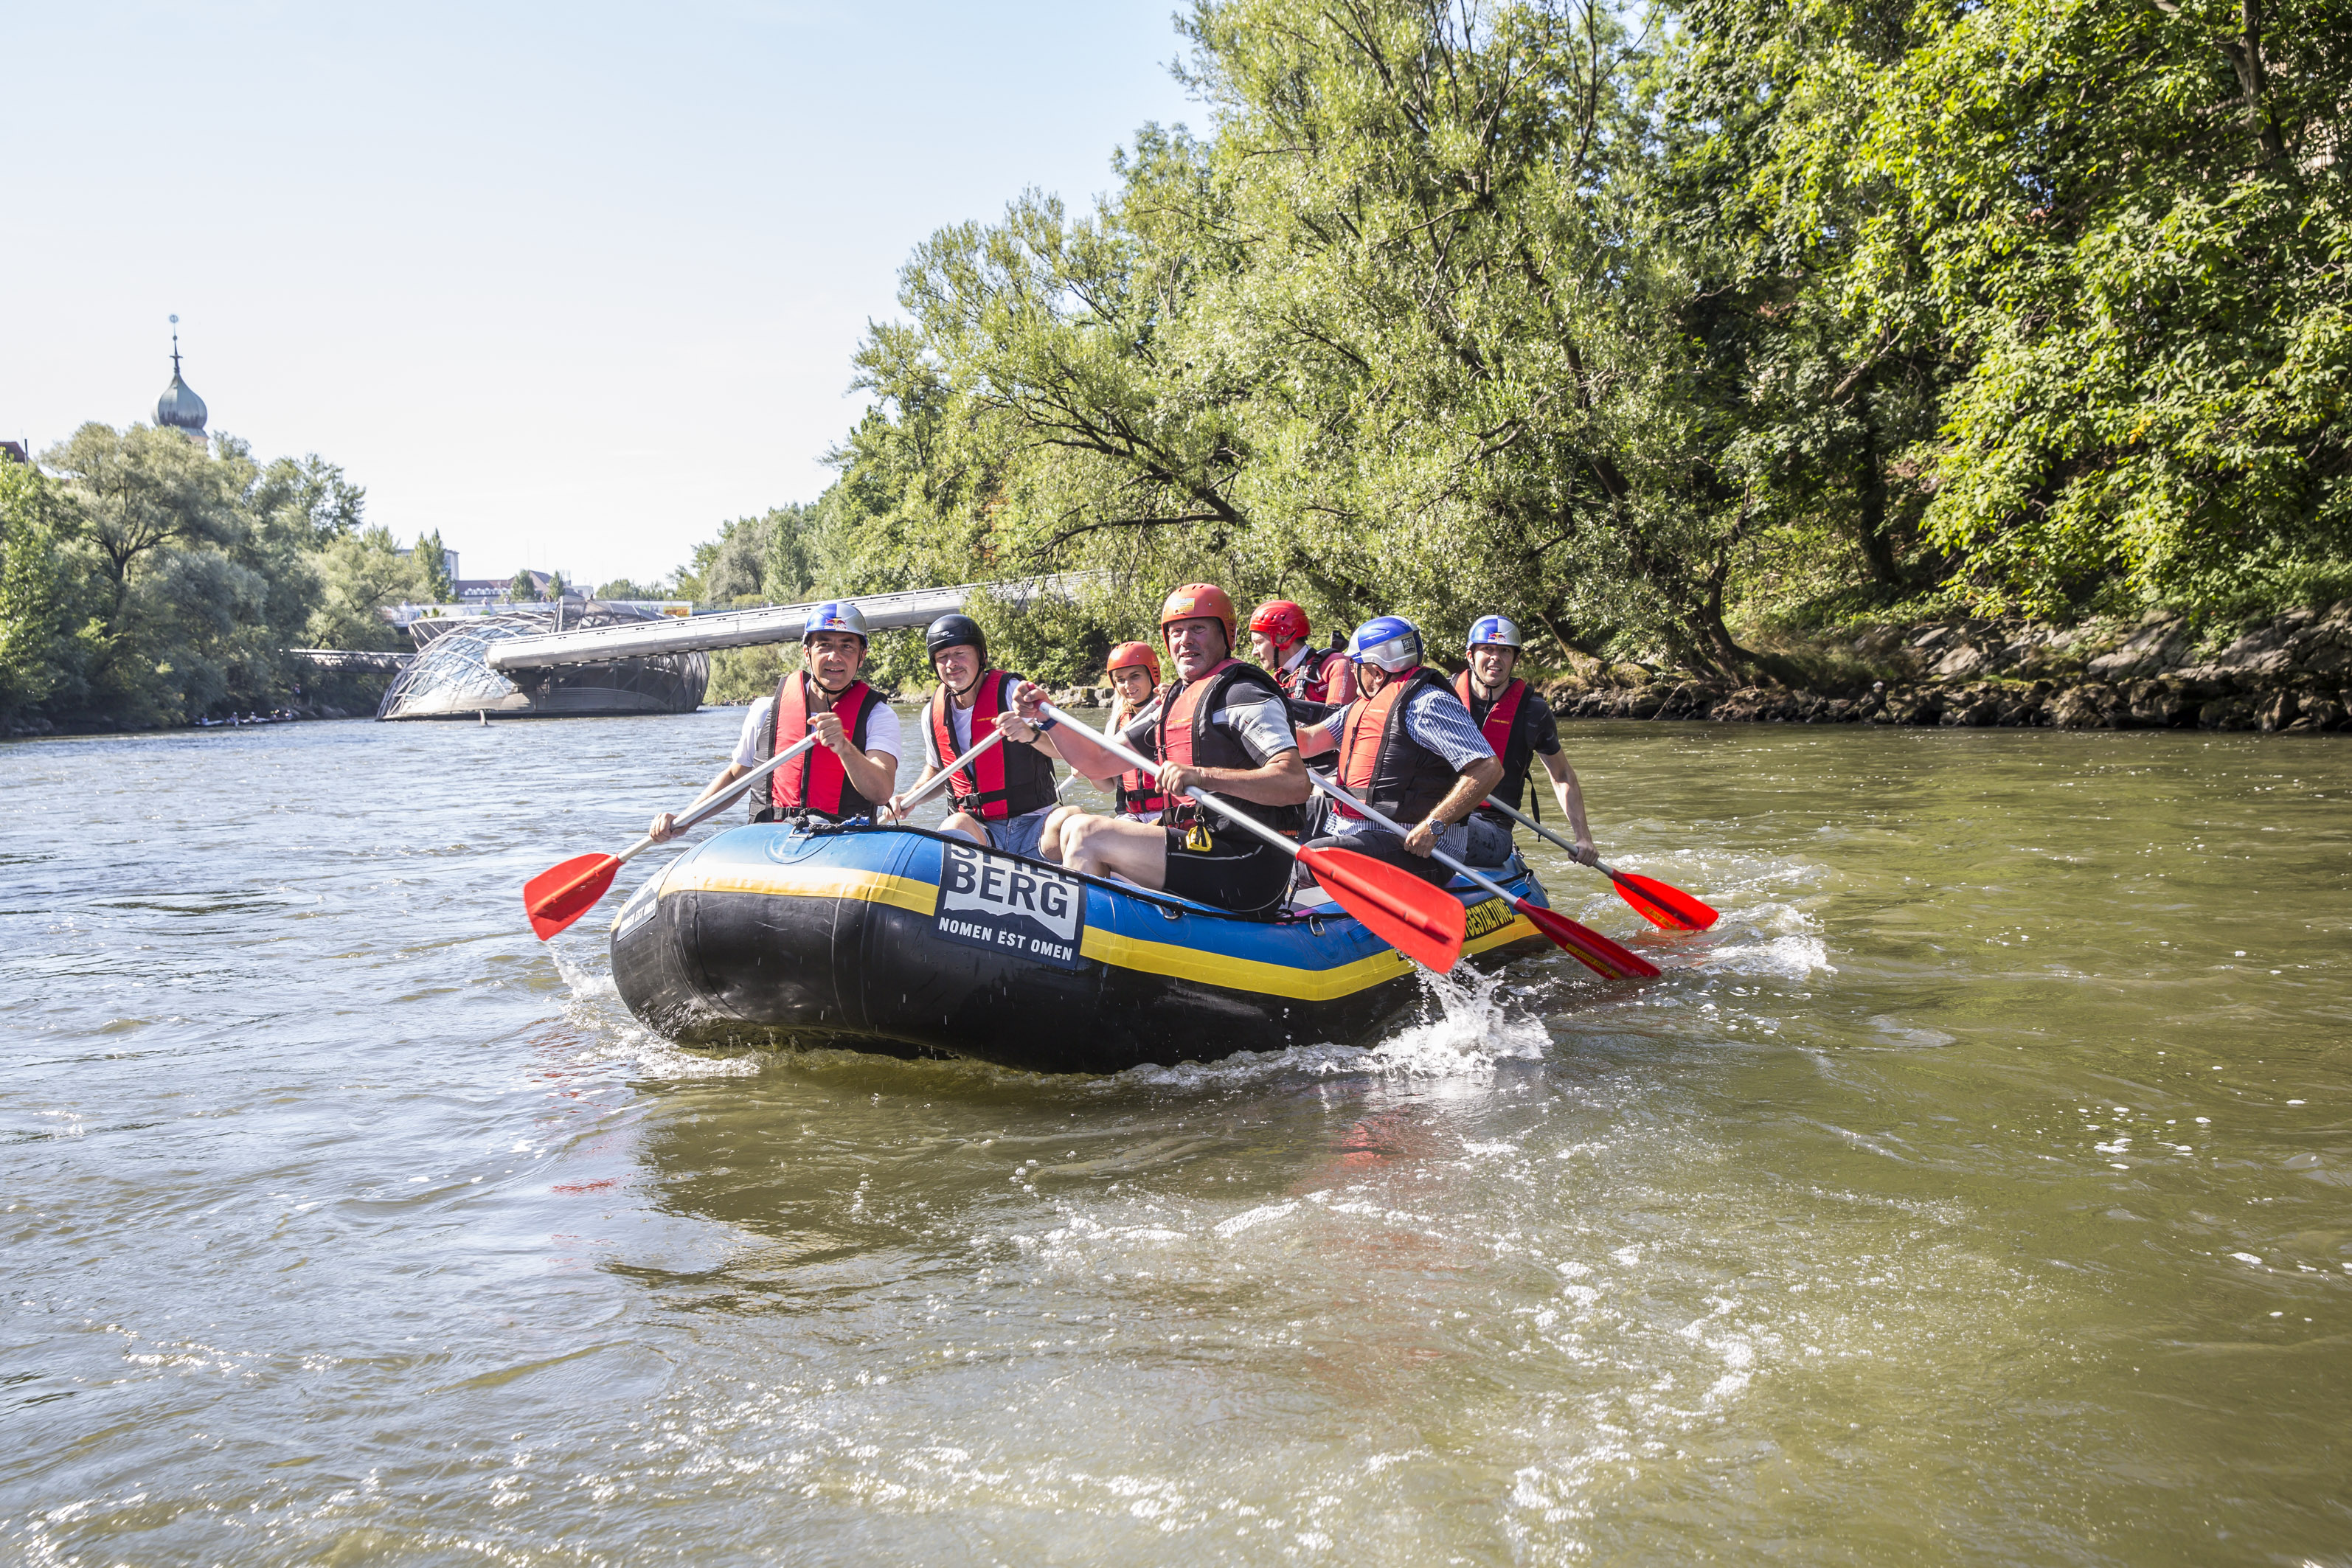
(2289, 674)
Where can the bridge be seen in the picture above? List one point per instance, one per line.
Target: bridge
(768, 624)
(353, 659)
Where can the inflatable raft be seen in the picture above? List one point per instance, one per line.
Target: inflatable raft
(908, 942)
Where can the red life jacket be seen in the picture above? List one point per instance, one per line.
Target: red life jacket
(1381, 763)
(1137, 792)
(1507, 731)
(1013, 779)
(815, 780)
(1186, 736)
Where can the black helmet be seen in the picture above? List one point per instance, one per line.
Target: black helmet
(951, 631)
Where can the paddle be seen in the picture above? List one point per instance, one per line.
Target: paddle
(561, 894)
(1422, 922)
(1596, 952)
(1668, 908)
(939, 780)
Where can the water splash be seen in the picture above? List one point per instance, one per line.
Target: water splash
(1473, 1030)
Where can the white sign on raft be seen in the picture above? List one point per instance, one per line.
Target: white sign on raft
(1018, 909)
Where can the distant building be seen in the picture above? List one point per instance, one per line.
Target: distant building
(13, 451)
(180, 409)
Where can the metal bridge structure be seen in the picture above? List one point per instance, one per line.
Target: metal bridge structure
(608, 661)
(768, 624)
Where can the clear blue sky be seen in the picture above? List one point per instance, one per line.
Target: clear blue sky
(579, 281)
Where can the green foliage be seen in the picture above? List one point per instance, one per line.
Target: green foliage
(623, 588)
(362, 574)
(522, 587)
(434, 585)
(146, 579)
(37, 656)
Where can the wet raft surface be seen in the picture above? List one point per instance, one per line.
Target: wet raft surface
(914, 944)
(344, 1222)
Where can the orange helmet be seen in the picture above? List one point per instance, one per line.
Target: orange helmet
(1133, 655)
(1199, 601)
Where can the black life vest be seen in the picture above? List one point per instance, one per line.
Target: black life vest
(813, 783)
(1508, 724)
(1013, 779)
(1309, 681)
(1379, 761)
(1184, 735)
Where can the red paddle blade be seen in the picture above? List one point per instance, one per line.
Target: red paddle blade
(561, 894)
(1424, 922)
(1666, 907)
(1592, 950)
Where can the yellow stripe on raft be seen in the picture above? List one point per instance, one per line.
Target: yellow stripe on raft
(814, 882)
(1104, 946)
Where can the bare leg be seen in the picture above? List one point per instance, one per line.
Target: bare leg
(969, 827)
(1049, 842)
(1136, 850)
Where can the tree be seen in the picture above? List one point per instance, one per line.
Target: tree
(312, 495)
(363, 574)
(432, 581)
(38, 653)
(522, 588)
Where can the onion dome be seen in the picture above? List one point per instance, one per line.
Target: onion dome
(180, 409)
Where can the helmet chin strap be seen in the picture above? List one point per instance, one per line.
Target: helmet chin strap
(830, 692)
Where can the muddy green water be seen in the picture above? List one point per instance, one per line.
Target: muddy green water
(1980, 1190)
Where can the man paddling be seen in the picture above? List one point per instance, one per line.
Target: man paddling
(1000, 799)
(1407, 747)
(1519, 725)
(1279, 634)
(856, 758)
(1222, 727)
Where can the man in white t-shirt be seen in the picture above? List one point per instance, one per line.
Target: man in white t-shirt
(851, 769)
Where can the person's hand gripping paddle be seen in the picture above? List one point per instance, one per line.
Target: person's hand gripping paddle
(561, 894)
(1663, 905)
(1422, 922)
(938, 781)
(1595, 952)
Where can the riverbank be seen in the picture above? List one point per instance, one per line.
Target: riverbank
(2289, 673)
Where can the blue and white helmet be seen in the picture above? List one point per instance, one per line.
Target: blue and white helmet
(834, 616)
(1390, 642)
(1495, 631)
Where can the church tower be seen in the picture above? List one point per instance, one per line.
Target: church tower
(180, 409)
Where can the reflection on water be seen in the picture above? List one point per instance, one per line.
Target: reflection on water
(1977, 1189)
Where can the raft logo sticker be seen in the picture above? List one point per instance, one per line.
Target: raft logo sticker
(1490, 916)
(1016, 907)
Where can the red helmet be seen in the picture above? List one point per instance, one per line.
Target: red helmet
(1280, 619)
(1199, 601)
(1133, 655)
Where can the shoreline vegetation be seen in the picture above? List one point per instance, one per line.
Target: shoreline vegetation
(1780, 350)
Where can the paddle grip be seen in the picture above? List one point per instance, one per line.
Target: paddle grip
(732, 794)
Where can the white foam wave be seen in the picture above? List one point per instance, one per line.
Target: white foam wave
(1472, 1032)
(1783, 957)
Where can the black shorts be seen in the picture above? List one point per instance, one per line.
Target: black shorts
(1238, 872)
(1389, 851)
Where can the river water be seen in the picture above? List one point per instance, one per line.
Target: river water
(1979, 1190)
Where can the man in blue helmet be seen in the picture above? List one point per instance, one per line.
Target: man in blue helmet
(1408, 747)
(1518, 725)
(855, 763)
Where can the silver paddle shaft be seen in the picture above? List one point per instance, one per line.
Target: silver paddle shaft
(939, 780)
(1523, 820)
(702, 812)
(1440, 855)
(1124, 752)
